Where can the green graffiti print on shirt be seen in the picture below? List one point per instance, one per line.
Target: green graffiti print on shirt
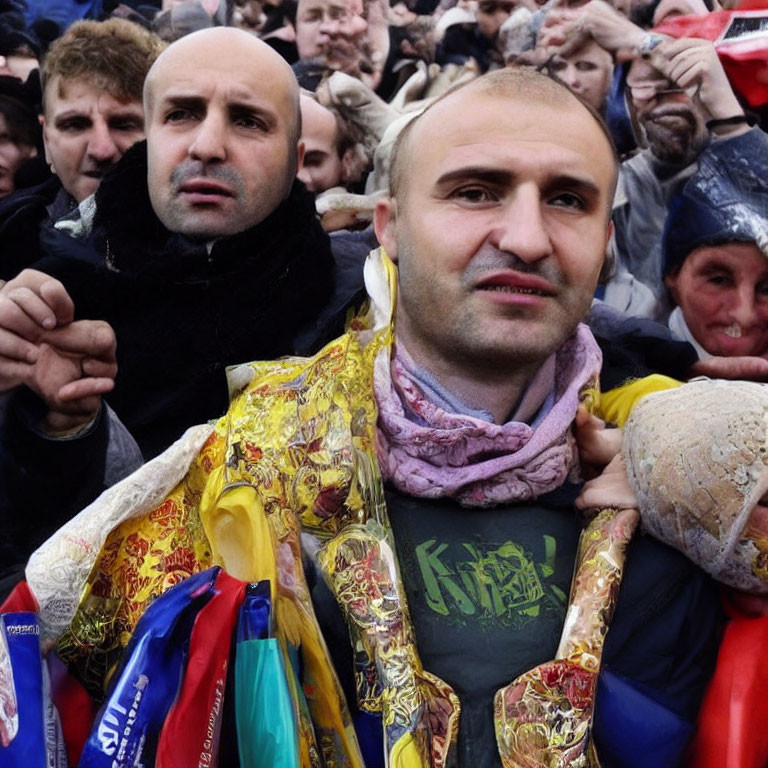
(489, 582)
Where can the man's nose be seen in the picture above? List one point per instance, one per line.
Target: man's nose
(102, 146)
(305, 176)
(522, 229)
(743, 310)
(572, 78)
(209, 142)
(329, 26)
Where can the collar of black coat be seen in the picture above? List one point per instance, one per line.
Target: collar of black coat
(290, 240)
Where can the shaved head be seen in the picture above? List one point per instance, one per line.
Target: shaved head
(223, 133)
(242, 48)
(522, 85)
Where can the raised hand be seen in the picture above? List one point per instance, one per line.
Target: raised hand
(610, 489)
(597, 445)
(567, 30)
(68, 364)
(75, 366)
(691, 63)
(30, 305)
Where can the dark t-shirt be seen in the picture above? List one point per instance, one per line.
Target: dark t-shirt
(487, 591)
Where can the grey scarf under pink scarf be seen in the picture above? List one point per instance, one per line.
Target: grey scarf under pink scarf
(427, 452)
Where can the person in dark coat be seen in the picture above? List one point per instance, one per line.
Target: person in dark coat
(220, 258)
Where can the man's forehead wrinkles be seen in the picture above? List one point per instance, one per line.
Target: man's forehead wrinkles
(175, 93)
(491, 174)
(73, 111)
(84, 106)
(312, 6)
(506, 162)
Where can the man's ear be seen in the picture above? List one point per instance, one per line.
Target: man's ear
(41, 119)
(300, 150)
(609, 258)
(384, 224)
(353, 163)
(608, 233)
(671, 282)
(210, 6)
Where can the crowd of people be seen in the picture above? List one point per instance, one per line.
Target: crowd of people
(352, 300)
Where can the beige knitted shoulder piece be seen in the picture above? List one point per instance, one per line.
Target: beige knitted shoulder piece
(697, 458)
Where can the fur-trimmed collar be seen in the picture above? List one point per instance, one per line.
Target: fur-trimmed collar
(135, 241)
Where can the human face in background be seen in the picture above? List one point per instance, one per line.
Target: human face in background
(86, 130)
(722, 291)
(500, 229)
(673, 127)
(12, 155)
(587, 72)
(491, 14)
(321, 168)
(222, 111)
(669, 9)
(331, 32)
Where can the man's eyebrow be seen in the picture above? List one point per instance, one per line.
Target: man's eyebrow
(500, 177)
(715, 265)
(476, 173)
(70, 113)
(245, 107)
(126, 118)
(575, 183)
(181, 100)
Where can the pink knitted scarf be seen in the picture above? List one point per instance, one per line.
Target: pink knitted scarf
(474, 461)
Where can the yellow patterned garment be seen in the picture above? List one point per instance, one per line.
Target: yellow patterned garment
(294, 454)
(544, 717)
(140, 559)
(295, 451)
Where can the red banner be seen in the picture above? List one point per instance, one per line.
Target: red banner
(741, 42)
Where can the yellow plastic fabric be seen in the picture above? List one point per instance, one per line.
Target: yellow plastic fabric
(140, 560)
(419, 711)
(405, 754)
(237, 528)
(616, 405)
